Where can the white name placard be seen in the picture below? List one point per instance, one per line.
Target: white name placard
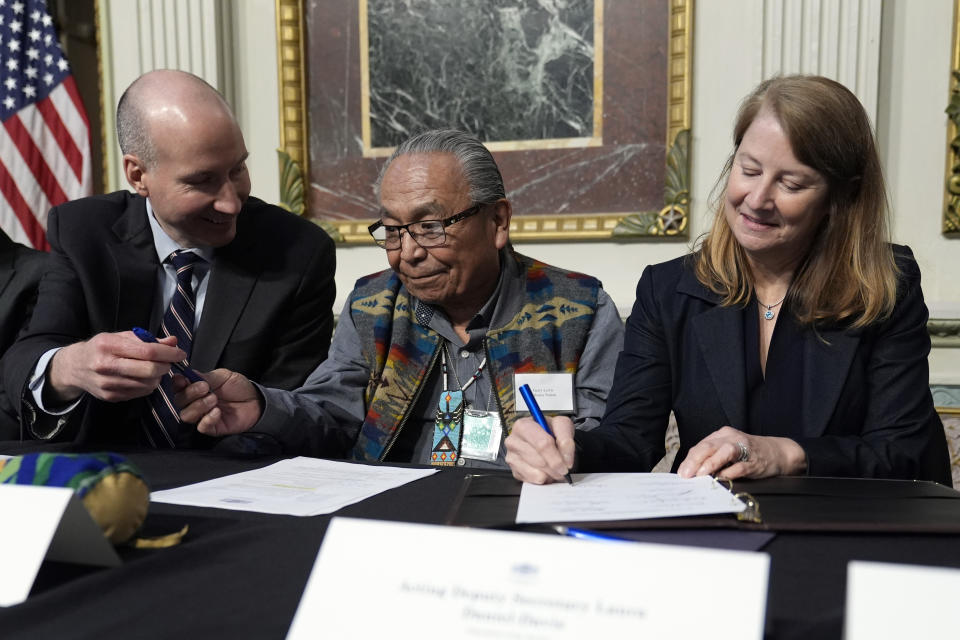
(553, 391)
(900, 601)
(41, 522)
(395, 580)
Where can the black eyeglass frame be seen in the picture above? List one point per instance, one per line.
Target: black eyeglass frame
(444, 222)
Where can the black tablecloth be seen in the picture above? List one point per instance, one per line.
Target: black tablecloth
(240, 575)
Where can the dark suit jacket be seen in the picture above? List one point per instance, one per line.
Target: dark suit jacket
(865, 394)
(267, 312)
(20, 272)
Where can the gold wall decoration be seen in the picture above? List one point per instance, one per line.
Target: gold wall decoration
(292, 85)
(951, 202)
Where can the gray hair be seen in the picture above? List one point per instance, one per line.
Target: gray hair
(132, 129)
(476, 162)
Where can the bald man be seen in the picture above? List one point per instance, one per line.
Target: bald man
(260, 281)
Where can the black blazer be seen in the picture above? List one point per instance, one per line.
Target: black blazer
(867, 408)
(267, 312)
(20, 272)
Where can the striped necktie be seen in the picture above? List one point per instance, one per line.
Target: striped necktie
(163, 426)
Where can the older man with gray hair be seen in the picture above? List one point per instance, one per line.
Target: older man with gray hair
(422, 364)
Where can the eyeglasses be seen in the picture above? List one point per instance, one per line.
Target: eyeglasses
(426, 233)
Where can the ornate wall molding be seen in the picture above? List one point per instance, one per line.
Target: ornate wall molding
(944, 333)
(136, 37)
(946, 398)
(839, 39)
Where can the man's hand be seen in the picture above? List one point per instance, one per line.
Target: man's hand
(225, 403)
(536, 456)
(730, 453)
(110, 366)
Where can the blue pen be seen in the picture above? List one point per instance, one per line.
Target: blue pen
(180, 367)
(584, 534)
(538, 416)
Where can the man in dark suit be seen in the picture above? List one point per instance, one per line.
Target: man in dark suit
(20, 271)
(260, 290)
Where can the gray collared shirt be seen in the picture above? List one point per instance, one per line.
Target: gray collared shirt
(323, 416)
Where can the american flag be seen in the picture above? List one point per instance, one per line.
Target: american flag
(45, 138)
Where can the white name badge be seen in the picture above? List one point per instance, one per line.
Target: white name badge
(900, 601)
(553, 391)
(523, 586)
(41, 522)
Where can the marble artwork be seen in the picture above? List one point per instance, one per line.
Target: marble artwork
(518, 73)
(502, 69)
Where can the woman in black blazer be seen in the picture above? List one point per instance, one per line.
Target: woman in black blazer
(793, 340)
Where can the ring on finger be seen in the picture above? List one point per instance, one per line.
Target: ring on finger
(744, 452)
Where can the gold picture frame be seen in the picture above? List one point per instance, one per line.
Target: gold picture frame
(951, 193)
(670, 220)
(945, 332)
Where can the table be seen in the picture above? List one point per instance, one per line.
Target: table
(240, 575)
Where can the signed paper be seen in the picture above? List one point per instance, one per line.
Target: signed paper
(900, 601)
(451, 582)
(299, 486)
(624, 496)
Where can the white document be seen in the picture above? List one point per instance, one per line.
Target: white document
(553, 391)
(900, 601)
(624, 496)
(44, 522)
(451, 582)
(298, 487)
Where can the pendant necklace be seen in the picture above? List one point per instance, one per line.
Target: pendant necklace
(769, 314)
(448, 425)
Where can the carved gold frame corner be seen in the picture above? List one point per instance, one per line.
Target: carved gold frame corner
(671, 220)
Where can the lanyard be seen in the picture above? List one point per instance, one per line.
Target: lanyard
(446, 378)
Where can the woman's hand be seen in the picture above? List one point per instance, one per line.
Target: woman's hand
(536, 456)
(730, 453)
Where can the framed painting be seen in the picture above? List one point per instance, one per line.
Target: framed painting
(584, 103)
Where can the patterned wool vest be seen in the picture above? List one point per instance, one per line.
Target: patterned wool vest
(548, 334)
